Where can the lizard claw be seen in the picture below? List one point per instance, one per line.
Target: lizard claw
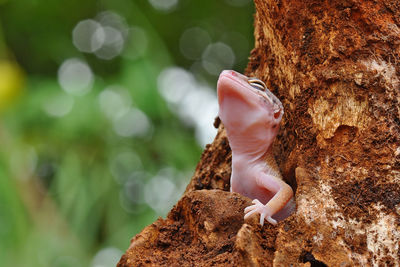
(260, 208)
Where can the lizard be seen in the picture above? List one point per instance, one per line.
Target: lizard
(251, 115)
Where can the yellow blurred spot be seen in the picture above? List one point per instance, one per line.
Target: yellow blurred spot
(11, 82)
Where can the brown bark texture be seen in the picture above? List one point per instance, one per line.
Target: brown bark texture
(335, 66)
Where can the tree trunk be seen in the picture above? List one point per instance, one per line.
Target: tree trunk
(335, 67)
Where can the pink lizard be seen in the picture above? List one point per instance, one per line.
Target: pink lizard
(251, 115)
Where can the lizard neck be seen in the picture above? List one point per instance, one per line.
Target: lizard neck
(250, 145)
(265, 161)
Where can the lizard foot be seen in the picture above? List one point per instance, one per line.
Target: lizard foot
(260, 208)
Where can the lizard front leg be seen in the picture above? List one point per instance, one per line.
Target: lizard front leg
(283, 194)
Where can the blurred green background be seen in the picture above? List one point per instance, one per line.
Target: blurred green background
(105, 107)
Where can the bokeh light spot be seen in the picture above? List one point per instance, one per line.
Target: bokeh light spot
(112, 19)
(75, 77)
(195, 104)
(114, 101)
(164, 5)
(133, 123)
(124, 164)
(217, 57)
(136, 44)
(193, 42)
(159, 194)
(133, 188)
(104, 36)
(106, 257)
(200, 107)
(58, 105)
(112, 45)
(239, 44)
(174, 83)
(86, 36)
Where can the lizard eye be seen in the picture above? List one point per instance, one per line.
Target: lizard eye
(257, 84)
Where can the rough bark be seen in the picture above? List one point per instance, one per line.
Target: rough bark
(335, 66)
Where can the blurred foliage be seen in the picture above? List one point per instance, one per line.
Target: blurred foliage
(11, 82)
(73, 188)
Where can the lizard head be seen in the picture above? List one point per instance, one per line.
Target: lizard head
(243, 99)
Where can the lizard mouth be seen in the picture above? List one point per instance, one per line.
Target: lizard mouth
(261, 87)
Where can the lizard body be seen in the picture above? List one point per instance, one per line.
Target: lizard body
(251, 115)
